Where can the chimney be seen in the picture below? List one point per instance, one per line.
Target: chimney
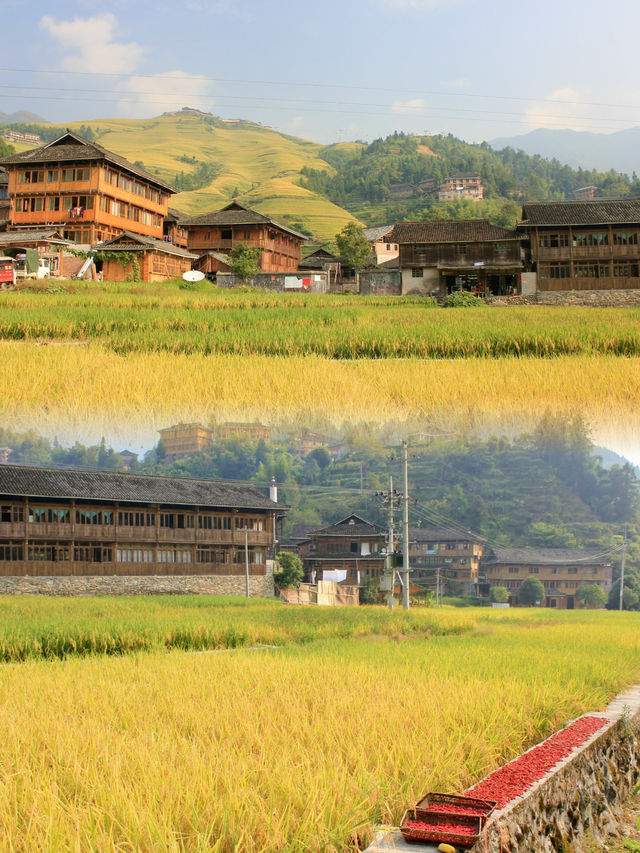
(273, 491)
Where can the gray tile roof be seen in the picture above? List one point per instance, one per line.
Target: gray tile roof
(345, 527)
(549, 556)
(51, 235)
(623, 211)
(442, 534)
(236, 214)
(70, 148)
(130, 242)
(377, 232)
(451, 231)
(24, 481)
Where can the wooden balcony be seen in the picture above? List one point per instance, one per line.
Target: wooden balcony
(69, 568)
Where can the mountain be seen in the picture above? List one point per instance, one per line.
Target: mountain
(22, 117)
(215, 160)
(580, 149)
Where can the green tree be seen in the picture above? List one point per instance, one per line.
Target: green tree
(531, 591)
(245, 261)
(499, 594)
(591, 595)
(546, 535)
(291, 571)
(353, 246)
(369, 591)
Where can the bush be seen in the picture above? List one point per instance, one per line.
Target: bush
(531, 591)
(291, 570)
(463, 299)
(369, 591)
(499, 594)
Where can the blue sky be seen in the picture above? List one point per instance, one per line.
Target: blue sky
(356, 69)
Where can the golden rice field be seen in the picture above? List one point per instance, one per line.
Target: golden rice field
(301, 748)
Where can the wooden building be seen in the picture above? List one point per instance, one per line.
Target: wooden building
(444, 555)
(130, 257)
(222, 230)
(245, 430)
(382, 246)
(584, 245)
(440, 257)
(462, 186)
(86, 191)
(173, 231)
(65, 523)
(183, 440)
(562, 571)
(351, 547)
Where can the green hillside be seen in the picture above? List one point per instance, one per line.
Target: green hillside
(255, 164)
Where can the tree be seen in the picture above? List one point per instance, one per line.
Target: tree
(245, 261)
(353, 246)
(369, 591)
(291, 571)
(499, 594)
(591, 595)
(530, 592)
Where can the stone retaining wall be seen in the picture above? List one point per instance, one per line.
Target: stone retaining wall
(582, 794)
(596, 298)
(259, 586)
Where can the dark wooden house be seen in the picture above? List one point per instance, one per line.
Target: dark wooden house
(352, 547)
(440, 257)
(220, 231)
(584, 245)
(64, 523)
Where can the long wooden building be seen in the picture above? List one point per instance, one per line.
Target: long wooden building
(88, 192)
(74, 523)
(584, 245)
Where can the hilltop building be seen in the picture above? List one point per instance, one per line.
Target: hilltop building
(462, 186)
(212, 234)
(59, 523)
(86, 192)
(183, 440)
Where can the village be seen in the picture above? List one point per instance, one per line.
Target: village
(73, 209)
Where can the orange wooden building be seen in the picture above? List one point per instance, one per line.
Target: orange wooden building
(131, 257)
(88, 192)
(222, 230)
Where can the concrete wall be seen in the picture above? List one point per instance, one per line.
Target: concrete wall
(294, 282)
(259, 587)
(429, 284)
(380, 282)
(598, 298)
(529, 283)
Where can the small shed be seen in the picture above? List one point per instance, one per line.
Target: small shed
(135, 256)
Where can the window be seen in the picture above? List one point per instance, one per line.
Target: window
(573, 570)
(52, 175)
(514, 570)
(625, 238)
(54, 202)
(10, 551)
(353, 547)
(211, 555)
(226, 234)
(534, 570)
(417, 272)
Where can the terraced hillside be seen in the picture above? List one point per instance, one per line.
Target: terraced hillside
(255, 164)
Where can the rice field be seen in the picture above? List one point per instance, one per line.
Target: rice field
(299, 748)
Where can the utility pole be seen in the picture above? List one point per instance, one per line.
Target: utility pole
(246, 559)
(624, 554)
(405, 528)
(387, 584)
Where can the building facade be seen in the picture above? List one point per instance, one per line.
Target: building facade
(131, 257)
(352, 548)
(584, 245)
(440, 257)
(462, 186)
(75, 523)
(183, 440)
(87, 192)
(441, 557)
(562, 571)
(220, 231)
(382, 245)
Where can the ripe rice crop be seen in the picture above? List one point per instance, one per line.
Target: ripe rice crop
(299, 748)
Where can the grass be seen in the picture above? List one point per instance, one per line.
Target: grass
(301, 748)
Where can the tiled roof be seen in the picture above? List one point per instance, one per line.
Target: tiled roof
(141, 243)
(549, 556)
(236, 214)
(135, 488)
(352, 525)
(46, 234)
(77, 149)
(594, 212)
(377, 232)
(450, 231)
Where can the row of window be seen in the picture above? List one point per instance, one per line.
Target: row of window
(74, 204)
(117, 179)
(128, 518)
(594, 269)
(551, 570)
(590, 238)
(67, 175)
(129, 211)
(55, 552)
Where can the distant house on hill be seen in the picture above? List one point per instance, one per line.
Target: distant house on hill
(220, 231)
(562, 571)
(462, 186)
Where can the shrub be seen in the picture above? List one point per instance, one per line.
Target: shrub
(463, 299)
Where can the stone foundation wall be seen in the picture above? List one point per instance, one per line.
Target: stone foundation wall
(259, 586)
(597, 298)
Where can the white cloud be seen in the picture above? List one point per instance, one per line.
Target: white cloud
(410, 107)
(91, 46)
(147, 96)
(561, 110)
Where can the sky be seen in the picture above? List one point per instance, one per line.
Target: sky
(330, 71)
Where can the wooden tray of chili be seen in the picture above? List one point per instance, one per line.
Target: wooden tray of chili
(461, 830)
(454, 804)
